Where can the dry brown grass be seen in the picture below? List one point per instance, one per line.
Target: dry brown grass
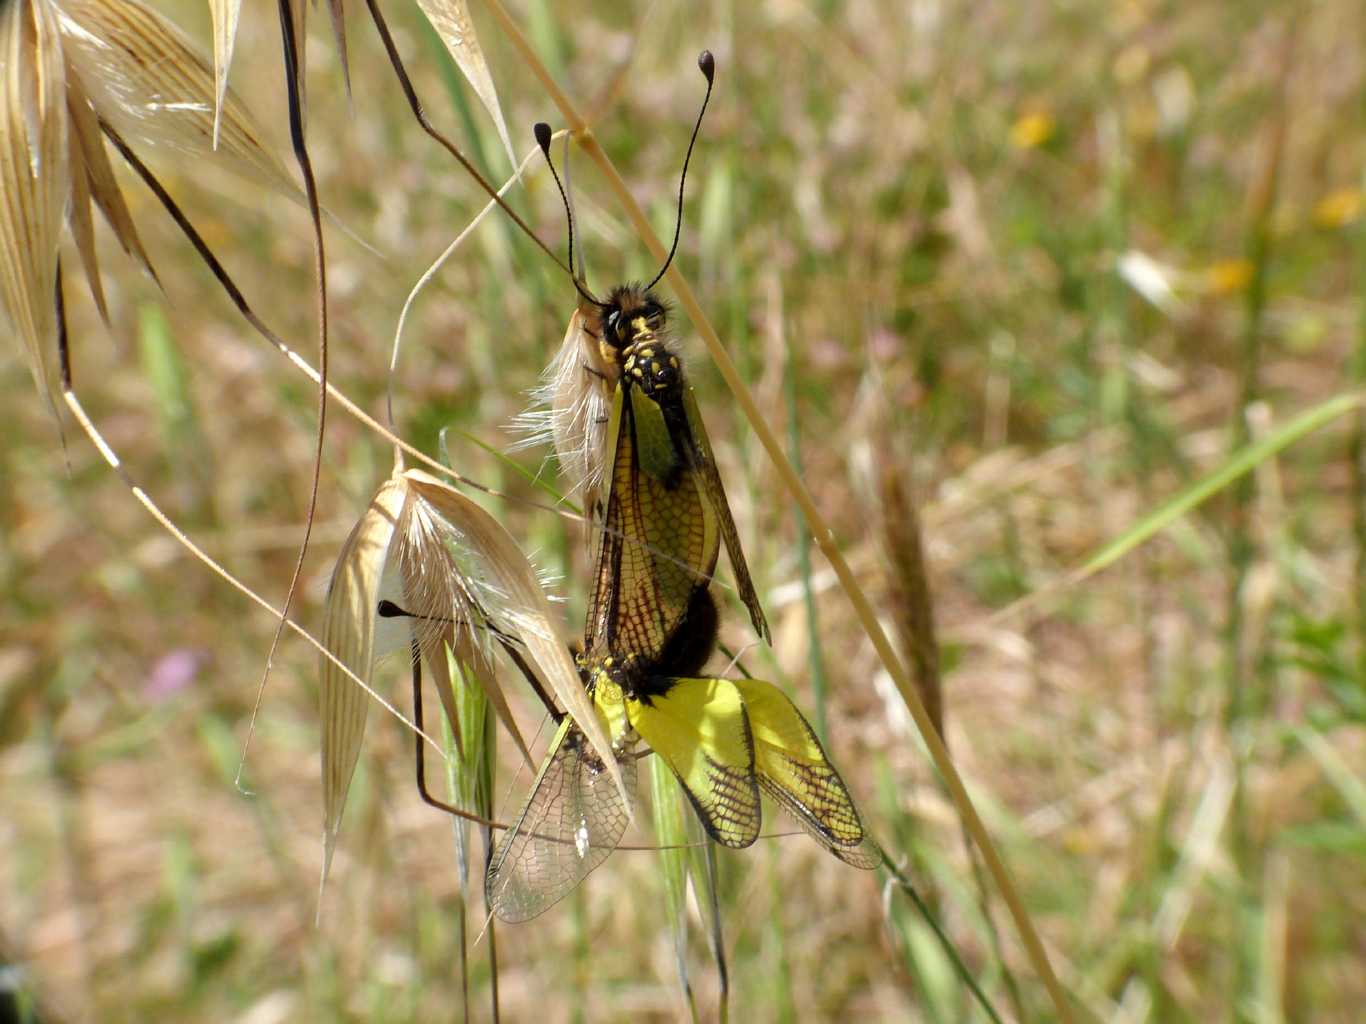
(950, 305)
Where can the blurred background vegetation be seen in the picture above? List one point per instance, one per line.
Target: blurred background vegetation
(1039, 266)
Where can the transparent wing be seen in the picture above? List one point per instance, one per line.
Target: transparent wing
(660, 541)
(700, 728)
(793, 770)
(720, 506)
(573, 819)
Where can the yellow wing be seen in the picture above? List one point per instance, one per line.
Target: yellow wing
(701, 730)
(660, 537)
(792, 769)
(573, 819)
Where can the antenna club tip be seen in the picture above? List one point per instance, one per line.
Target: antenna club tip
(542, 132)
(707, 63)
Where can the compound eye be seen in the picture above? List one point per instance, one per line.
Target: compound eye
(612, 318)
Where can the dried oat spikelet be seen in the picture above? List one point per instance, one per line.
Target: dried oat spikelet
(349, 633)
(450, 18)
(34, 175)
(525, 611)
(69, 72)
(462, 581)
(436, 573)
(151, 82)
(225, 15)
(92, 179)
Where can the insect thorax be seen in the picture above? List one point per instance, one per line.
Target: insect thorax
(612, 679)
(654, 369)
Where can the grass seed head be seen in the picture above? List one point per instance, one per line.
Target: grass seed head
(70, 72)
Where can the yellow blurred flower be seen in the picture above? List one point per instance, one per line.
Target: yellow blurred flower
(1338, 209)
(1228, 276)
(1032, 130)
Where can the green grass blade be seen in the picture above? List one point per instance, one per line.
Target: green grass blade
(1243, 461)
(671, 832)
(906, 886)
(535, 479)
(176, 417)
(1343, 778)
(167, 374)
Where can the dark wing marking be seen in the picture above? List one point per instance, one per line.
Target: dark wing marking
(793, 769)
(660, 541)
(700, 728)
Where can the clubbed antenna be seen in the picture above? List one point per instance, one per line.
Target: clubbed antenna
(543, 137)
(707, 63)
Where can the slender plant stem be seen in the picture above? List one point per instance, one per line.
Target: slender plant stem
(1356, 448)
(945, 942)
(814, 653)
(820, 530)
(1246, 687)
(294, 103)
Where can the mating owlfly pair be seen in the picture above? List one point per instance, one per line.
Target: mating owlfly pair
(630, 438)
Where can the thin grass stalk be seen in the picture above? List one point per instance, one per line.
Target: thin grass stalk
(535, 277)
(461, 789)
(821, 531)
(1127, 412)
(718, 939)
(1245, 689)
(87, 425)
(1244, 461)
(469, 784)
(815, 654)
(983, 895)
(778, 959)
(904, 883)
(485, 788)
(294, 103)
(1356, 447)
(419, 112)
(931, 1001)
